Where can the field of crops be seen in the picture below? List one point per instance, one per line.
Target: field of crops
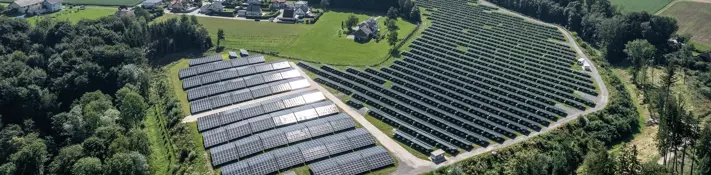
(508, 79)
(692, 18)
(650, 6)
(74, 15)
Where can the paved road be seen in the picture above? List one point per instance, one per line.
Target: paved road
(197, 13)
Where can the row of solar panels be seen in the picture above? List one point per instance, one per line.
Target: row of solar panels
(266, 122)
(257, 143)
(205, 60)
(249, 111)
(221, 65)
(358, 162)
(240, 83)
(233, 73)
(247, 94)
(301, 153)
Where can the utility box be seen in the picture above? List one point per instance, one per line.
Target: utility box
(437, 156)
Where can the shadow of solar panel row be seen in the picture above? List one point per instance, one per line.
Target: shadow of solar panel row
(266, 122)
(266, 107)
(275, 138)
(412, 142)
(354, 163)
(247, 94)
(230, 74)
(355, 104)
(204, 60)
(221, 65)
(240, 83)
(298, 154)
(365, 76)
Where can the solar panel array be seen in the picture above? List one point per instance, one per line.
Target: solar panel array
(230, 74)
(257, 143)
(239, 96)
(239, 83)
(247, 112)
(270, 121)
(358, 162)
(221, 65)
(205, 60)
(284, 158)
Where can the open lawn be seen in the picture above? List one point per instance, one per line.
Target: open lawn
(74, 15)
(650, 6)
(692, 18)
(103, 2)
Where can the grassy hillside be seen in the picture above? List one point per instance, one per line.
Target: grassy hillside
(693, 18)
(650, 6)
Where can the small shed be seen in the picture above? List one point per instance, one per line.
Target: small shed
(581, 61)
(586, 66)
(437, 156)
(243, 53)
(233, 55)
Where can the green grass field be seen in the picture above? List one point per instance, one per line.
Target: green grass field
(650, 6)
(160, 159)
(74, 15)
(104, 2)
(693, 18)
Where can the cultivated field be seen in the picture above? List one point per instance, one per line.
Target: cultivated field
(650, 6)
(74, 15)
(693, 18)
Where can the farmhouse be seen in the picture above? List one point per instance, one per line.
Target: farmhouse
(151, 3)
(366, 29)
(279, 3)
(254, 8)
(213, 7)
(301, 8)
(35, 7)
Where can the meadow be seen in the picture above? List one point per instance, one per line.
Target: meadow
(650, 6)
(74, 15)
(693, 18)
(95, 2)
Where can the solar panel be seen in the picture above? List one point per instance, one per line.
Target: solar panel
(256, 59)
(306, 113)
(360, 138)
(200, 106)
(313, 150)
(187, 72)
(341, 122)
(196, 93)
(288, 157)
(221, 101)
(223, 154)
(241, 96)
(209, 122)
(296, 133)
(214, 137)
(204, 69)
(313, 97)
(191, 82)
(252, 110)
(231, 116)
(325, 168)
(211, 78)
(283, 118)
(238, 62)
(238, 130)
(324, 109)
(237, 168)
(248, 146)
(273, 138)
(254, 80)
(298, 84)
(273, 106)
(290, 74)
(272, 77)
(263, 164)
(295, 101)
(246, 71)
(263, 68)
(281, 65)
(319, 127)
(222, 65)
(337, 144)
(216, 88)
(280, 88)
(261, 123)
(229, 74)
(236, 84)
(261, 91)
(352, 164)
(377, 157)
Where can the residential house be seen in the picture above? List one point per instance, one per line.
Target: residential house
(254, 8)
(288, 13)
(176, 4)
(213, 7)
(366, 30)
(35, 7)
(301, 8)
(278, 3)
(151, 3)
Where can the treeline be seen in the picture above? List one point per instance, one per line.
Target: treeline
(599, 22)
(72, 96)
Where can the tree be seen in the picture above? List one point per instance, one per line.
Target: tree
(390, 23)
(598, 161)
(94, 147)
(325, 3)
(351, 22)
(220, 36)
(627, 162)
(407, 8)
(126, 163)
(31, 154)
(703, 151)
(138, 141)
(87, 166)
(392, 13)
(392, 38)
(415, 14)
(639, 53)
(652, 168)
(133, 109)
(62, 163)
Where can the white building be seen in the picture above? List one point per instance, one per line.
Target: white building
(35, 7)
(151, 3)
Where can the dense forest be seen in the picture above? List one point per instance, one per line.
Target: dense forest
(73, 96)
